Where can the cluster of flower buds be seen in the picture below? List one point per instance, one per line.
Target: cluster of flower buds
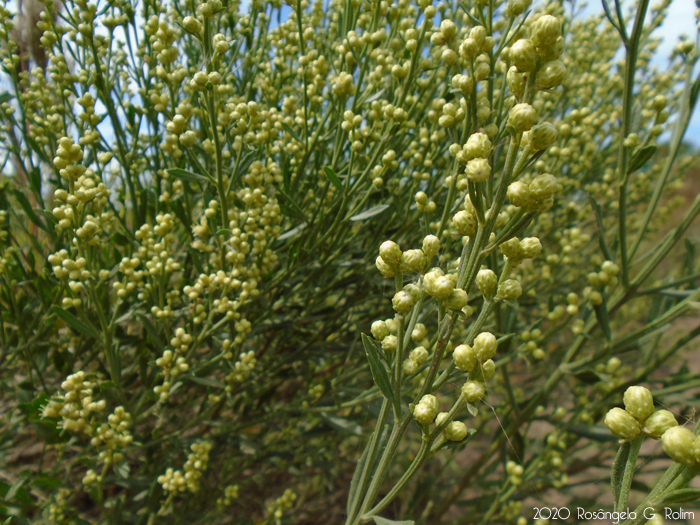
(475, 154)
(538, 54)
(638, 417)
(515, 473)
(442, 287)
(392, 260)
(517, 251)
(477, 360)
(607, 277)
(77, 406)
(538, 196)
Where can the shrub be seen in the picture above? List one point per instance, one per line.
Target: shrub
(243, 243)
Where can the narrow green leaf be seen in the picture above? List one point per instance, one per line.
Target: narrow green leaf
(15, 487)
(685, 495)
(379, 373)
(472, 410)
(369, 213)
(352, 494)
(75, 323)
(22, 199)
(601, 313)
(342, 424)
(294, 206)
(333, 177)
(618, 469)
(383, 521)
(289, 130)
(205, 381)
(187, 175)
(224, 231)
(641, 158)
(601, 229)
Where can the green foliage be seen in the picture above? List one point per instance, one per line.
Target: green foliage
(206, 210)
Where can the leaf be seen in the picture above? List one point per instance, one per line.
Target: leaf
(205, 381)
(601, 313)
(289, 130)
(374, 97)
(685, 495)
(379, 373)
(22, 199)
(224, 231)
(333, 177)
(352, 494)
(472, 410)
(75, 323)
(342, 424)
(641, 158)
(517, 447)
(295, 207)
(369, 213)
(588, 376)
(601, 229)
(291, 233)
(618, 469)
(384, 521)
(187, 175)
(15, 487)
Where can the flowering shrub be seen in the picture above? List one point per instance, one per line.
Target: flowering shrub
(340, 262)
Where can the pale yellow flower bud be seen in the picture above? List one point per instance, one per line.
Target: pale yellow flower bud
(464, 357)
(487, 281)
(456, 431)
(522, 117)
(473, 391)
(639, 402)
(658, 423)
(524, 55)
(622, 424)
(679, 444)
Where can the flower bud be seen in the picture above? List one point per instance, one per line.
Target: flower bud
(639, 402)
(478, 170)
(524, 55)
(478, 146)
(522, 117)
(487, 281)
(192, 25)
(385, 269)
(530, 247)
(516, 81)
(391, 253)
(658, 423)
(542, 135)
(484, 371)
(389, 344)
(622, 424)
(424, 414)
(679, 444)
(509, 290)
(457, 300)
(519, 194)
(431, 401)
(431, 246)
(464, 357)
(456, 431)
(379, 330)
(545, 31)
(464, 223)
(413, 261)
(551, 75)
(419, 354)
(485, 345)
(402, 302)
(512, 249)
(543, 187)
(473, 391)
